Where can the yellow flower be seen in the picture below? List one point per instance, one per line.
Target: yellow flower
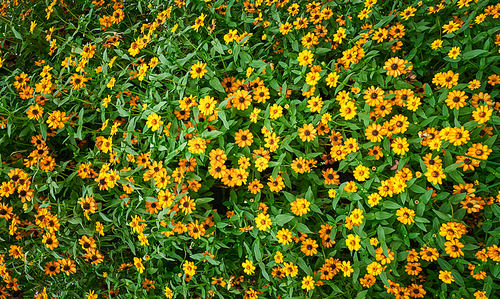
(308, 283)
(138, 264)
(346, 268)
(248, 267)
(32, 27)
(446, 276)
(374, 199)
(451, 27)
(111, 83)
(34, 112)
(374, 269)
(405, 215)
(154, 122)
(254, 115)
(189, 268)
(168, 292)
(174, 28)
(197, 145)
(437, 44)
(198, 70)
(482, 114)
(278, 257)
(325, 118)
(400, 146)
(263, 221)
(353, 242)
(305, 58)
(249, 71)
(474, 84)
(361, 173)
(454, 52)
(332, 79)
(207, 105)
(357, 216)
(261, 164)
(312, 78)
(199, 22)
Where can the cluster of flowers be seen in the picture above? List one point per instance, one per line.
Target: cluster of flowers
(304, 149)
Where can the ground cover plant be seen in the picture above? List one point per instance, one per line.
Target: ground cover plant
(249, 149)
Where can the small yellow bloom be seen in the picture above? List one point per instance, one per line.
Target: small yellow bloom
(32, 27)
(112, 61)
(111, 83)
(174, 28)
(454, 52)
(250, 71)
(248, 267)
(437, 44)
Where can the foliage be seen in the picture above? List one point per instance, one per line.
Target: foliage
(253, 149)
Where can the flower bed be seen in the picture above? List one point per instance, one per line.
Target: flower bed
(255, 149)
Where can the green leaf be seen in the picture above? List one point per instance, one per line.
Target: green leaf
(301, 227)
(384, 21)
(211, 134)
(442, 215)
(302, 264)
(382, 215)
(309, 194)
(381, 233)
(263, 271)
(274, 85)
(105, 218)
(16, 33)
(218, 47)
(322, 50)
(391, 205)
(122, 111)
(256, 250)
(444, 264)
(458, 278)
(452, 167)
(222, 116)
(362, 294)
(455, 175)
(383, 277)
(473, 53)
(215, 83)
(426, 196)
(417, 188)
(283, 218)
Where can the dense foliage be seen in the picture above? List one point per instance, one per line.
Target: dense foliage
(249, 149)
